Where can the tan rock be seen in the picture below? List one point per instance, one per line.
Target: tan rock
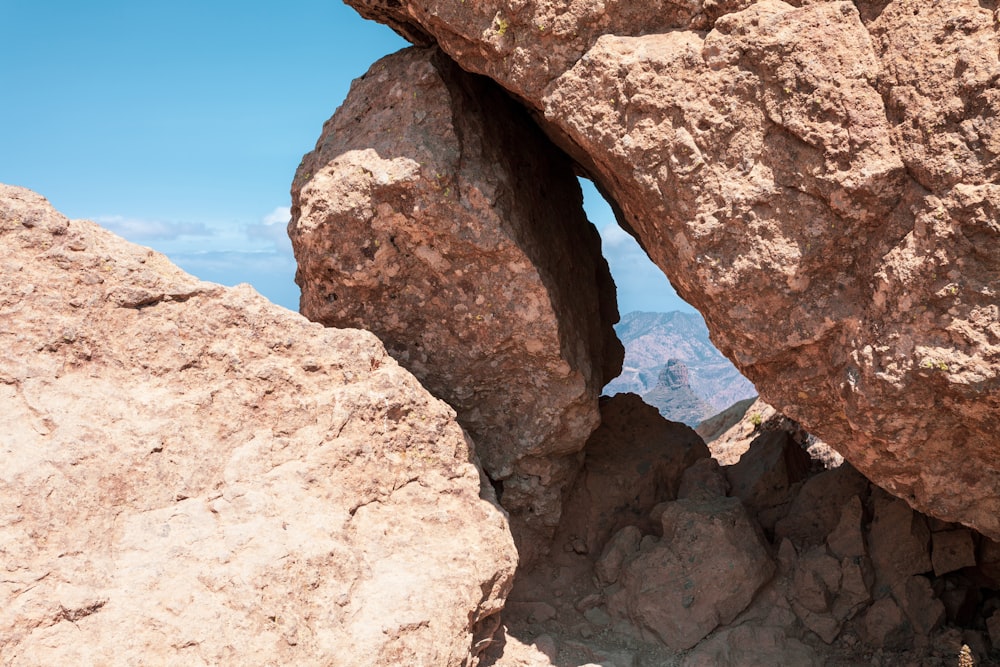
(433, 213)
(952, 550)
(820, 183)
(617, 551)
(705, 570)
(195, 476)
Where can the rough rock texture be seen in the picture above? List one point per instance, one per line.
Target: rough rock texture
(633, 461)
(433, 213)
(194, 476)
(706, 569)
(818, 180)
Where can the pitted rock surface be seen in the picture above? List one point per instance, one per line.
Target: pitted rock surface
(193, 475)
(818, 180)
(433, 213)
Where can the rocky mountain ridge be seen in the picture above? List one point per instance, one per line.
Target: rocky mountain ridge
(654, 340)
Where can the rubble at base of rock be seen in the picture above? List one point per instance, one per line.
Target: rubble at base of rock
(849, 573)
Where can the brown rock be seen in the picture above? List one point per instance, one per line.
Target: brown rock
(705, 570)
(816, 509)
(827, 591)
(899, 541)
(433, 213)
(820, 183)
(952, 550)
(703, 480)
(917, 600)
(886, 627)
(751, 646)
(631, 463)
(846, 540)
(193, 475)
(993, 626)
(619, 548)
(765, 475)
(989, 560)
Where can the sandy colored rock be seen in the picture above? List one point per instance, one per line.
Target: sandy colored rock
(195, 476)
(820, 183)
(705, 570)
(433, 213)
(632, 462)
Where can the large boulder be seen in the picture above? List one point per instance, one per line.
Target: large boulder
(435, 214)
(820, 181)
(706, 569)
(193, 475)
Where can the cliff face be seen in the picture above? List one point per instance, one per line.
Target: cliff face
(820, 181)
(193, 475)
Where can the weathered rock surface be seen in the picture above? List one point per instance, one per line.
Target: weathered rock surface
(433, 213)
(633, 461)
(195, 476)
(820, 181)
(706, 569)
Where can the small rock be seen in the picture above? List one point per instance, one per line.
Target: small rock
(993, 626)
(952, 550)
(847, 540)
(885, 625)
(597, 616)
(624, 543)
(547, 645)
(703, 479)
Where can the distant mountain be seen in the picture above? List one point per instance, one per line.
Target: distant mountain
(702, 385)
(674, 398)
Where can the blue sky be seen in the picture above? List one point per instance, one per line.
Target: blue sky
(179, 125)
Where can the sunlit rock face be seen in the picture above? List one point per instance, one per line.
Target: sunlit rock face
(193, 475)
(435, 214)
(820, 181)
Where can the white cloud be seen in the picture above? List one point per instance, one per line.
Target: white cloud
(279, 216)
(613, 236)
(145, 231)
